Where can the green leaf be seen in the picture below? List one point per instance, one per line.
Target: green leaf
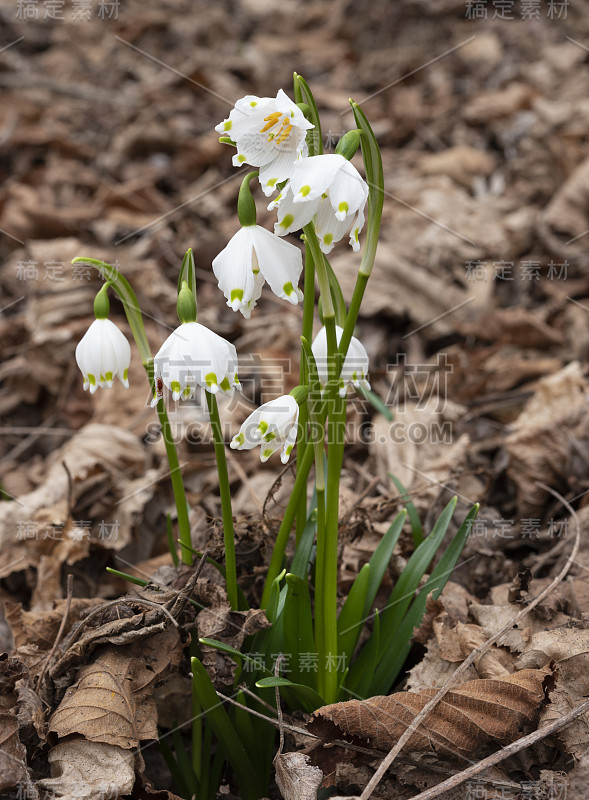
(298, 627)
(336, 293)
(416, 526)
(389, 669)
(174, 768)
(274, 607)
(402, 595)
(381, 557)
(303, 94)
(237, 655)
(360, 676)
(375, 179)
(300, 561)
(247, 777)
(313, 699)
(351, 618)
(376, 402)
(184, 764)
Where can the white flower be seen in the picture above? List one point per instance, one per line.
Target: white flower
(355, 366)
(329, 189)
(193, 355)
(252, 256)
(103, 353)
(273, 426)
(269, 133)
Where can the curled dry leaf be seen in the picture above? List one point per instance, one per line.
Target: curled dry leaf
(467, 718)
(296, 778)
(84, 770)
(112, 700)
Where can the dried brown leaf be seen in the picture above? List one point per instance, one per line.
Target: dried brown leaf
(466, 719)
(112, 699)
(13, 756)
(296, 778)
(82, 770)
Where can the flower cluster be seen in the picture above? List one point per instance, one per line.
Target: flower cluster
(269, 133)
(326, 190)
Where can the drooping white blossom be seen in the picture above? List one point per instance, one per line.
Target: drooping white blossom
(252, 256)
(269, 133)
(103, 353)
(355, 366)
(273, 426)
(329, 190)
(192, 356)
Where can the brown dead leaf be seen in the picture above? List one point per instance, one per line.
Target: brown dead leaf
(13, 755)
(296, 778)
(466, 719)
(540, 444)
(84, 770)
(112, 700)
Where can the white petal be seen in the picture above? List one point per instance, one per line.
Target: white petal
(313, 176)
(286, 106)
(279, 169)
(319, 349)
(328, 228)
(347, 192)
(293, 217)
(281, 264)
(233, 269)
(357, 226)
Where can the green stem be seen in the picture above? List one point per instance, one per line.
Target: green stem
(307, 332)
(225, 492)
(128, 298)
(197, 721)
(300, 487)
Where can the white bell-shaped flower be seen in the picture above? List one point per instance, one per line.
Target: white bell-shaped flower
(252, 256)
(269, 133)
(355, 366)
(329, 190)
(103, 353)
(273, 426)
(195, 356)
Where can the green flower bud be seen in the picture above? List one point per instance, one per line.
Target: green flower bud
(300, 394)
(101, 302)
(246, 206)
(349, 144)
(186, 305)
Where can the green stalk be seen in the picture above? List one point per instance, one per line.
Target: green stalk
(128, 298)
(300, 487)
(307, 332)
(197, 721)
(225, 492)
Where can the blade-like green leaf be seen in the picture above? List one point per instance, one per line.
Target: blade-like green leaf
(387, 671)
(313, 699)
(376, 402)
(183, 761)
(298, 628)
(304, 94)
(174, 768)
(351, 618)
(381, 557)
(416, 526)
(225, 732)
(336, 293)
(402, 594)
(359, 676)
(300, 561)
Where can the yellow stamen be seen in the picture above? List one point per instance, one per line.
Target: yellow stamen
(284, 134)
(271, 121)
